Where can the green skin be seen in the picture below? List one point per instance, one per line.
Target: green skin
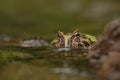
(92, 38)
(67, 37)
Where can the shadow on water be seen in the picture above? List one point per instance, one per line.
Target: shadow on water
(43, 63)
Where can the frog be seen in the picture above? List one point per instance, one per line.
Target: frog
(73, 40)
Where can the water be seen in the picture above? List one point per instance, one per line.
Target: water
(42, 63)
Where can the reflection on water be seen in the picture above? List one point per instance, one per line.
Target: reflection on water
(41, 63)
(66, 70)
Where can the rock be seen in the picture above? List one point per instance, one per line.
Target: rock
(104, 58)
(110, 69)
(33, 43)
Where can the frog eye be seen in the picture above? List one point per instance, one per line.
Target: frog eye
(77, 34)
(60, 34)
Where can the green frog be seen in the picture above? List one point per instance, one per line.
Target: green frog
(73, 40)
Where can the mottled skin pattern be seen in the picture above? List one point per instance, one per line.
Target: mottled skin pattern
(72, 40)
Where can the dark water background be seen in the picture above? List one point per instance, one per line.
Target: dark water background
(23, 19)
(26, 18)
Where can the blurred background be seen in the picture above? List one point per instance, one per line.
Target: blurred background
(25, 19)
(29, 18)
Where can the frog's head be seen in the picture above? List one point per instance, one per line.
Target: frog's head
(67, 40)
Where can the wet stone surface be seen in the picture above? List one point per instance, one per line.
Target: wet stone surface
(33, 43)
